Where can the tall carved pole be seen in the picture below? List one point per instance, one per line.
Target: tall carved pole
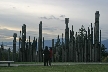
(85, 48)
(20, 56)
(36, 44)
(66, 40)
(40, 41)
(14, 46)
(53, 49)
(70, 47)
(88, 48)
(96, 36)
(43, 49)
(36, 49)
(29, 52)
(91, 43)
(73, 49)
(62, 49)
(23, 41)
(9, 54)
(57, 49)
(0, 53)
(76, 47)
(100, 56)
(79, 53)
(43, 43)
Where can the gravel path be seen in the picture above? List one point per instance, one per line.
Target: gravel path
(60, 63)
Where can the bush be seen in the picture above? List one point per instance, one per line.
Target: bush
(105, 59)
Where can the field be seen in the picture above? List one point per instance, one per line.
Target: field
(58, 68)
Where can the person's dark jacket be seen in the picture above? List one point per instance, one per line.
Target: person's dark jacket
(46, 53)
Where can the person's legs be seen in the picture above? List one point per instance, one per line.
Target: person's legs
(44, 62)
(47, 62)
(50, 61)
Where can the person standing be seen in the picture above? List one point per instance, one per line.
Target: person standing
(46, 55)
(50, 56)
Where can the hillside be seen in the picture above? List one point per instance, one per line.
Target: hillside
(105, 42)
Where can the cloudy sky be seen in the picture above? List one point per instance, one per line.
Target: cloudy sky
(15, 13)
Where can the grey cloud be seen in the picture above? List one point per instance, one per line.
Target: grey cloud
(62, 16)
(94, 3)
(52, 29)
(44, 17)
(49, 36)
(28, 6)
(61, 29)
(9, 33)
(12, 20)
(104, 38)
(14, 7)
(5, 33)
(50, 17)
(53, 17)
(16, 21)
(62, 20)
(32, 32)
(104, 34)
(104, 31)
(3, 36)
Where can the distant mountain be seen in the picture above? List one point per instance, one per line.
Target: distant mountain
(46, 43)
(49, 42)
(105, 42)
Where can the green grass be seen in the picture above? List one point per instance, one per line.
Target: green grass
(69, 68)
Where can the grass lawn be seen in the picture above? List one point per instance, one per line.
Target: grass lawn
(68, 68)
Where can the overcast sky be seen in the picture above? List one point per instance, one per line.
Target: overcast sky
(15, 13)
